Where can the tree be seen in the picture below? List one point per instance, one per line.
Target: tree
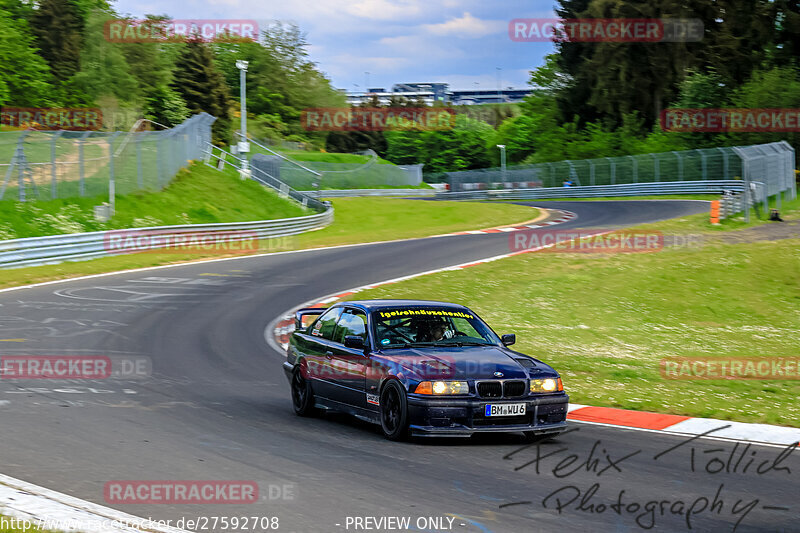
(740, 34)
(58, 27)
(461, 148)
(570, 62)
(202, 86)
(356, 141)
(281, 81)
(152, 65)
(164, 106)
(778, 87)
(786, 14)
(25, 76)
(103, 68)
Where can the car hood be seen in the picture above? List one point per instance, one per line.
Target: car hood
(468, 362)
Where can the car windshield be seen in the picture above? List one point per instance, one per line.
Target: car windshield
(430, 326)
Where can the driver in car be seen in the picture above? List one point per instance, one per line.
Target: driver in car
(432, 330)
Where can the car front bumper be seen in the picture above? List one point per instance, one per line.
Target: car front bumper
(460, 417)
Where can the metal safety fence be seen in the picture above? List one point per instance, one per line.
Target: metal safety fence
(44, 165)
(80, 246)
(765, 171)
(366, 172)
(601, 191)
(350, 193)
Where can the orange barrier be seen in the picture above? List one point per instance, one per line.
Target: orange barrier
(715, 212)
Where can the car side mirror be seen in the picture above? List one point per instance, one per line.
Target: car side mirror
(354, 341)
(508, 339)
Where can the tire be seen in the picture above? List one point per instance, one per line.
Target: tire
(302, 395)
(394, 411)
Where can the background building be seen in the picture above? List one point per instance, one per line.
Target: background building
(438, 92)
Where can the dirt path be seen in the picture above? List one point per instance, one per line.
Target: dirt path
(67, 167)
(789, 229)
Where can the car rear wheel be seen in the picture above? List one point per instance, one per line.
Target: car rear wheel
(302, 395)
(394, 411)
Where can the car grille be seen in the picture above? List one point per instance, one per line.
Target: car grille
(513, 389)
(490, 389)
(502, 389)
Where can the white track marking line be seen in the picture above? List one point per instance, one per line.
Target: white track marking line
(219, 260)
(23, 500)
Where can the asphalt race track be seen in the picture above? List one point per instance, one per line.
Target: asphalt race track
(217, 407)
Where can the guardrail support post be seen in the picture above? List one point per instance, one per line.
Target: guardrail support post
(19, 160)
(724, 163)
(81, 162)
(704, 166)
(53, 168)
(680, 165)
(139, 173)
(112, 193)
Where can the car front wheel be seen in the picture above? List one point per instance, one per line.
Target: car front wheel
(302, 395)
(394, 411)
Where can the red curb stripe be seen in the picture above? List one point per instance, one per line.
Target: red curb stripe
(471, 264)
(623, 417)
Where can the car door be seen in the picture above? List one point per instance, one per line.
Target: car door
(319, 353)
(349, 364)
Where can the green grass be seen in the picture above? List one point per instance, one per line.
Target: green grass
(356, 220)
(701, 223)
(322, 157)
(330, 157)
(706, 197)
(20, 526)
(338, 186)
(198, 195)
(606, 321)
(381, 219)
(384, 175)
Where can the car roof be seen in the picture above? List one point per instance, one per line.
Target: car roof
(373, 305)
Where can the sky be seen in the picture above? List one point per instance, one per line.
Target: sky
(460, 42)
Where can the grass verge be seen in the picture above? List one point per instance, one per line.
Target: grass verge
(356, 220)
(606, 321)
(701, 223)
(10, 524)
(193, 197)
(705, 197)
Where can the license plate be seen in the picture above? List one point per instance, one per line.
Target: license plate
(505, 409)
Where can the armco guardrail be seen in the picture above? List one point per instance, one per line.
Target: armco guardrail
(344, 193)
(600, 191)
(79, 246)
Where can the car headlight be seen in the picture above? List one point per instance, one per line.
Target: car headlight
(438, 388)
(546, 385)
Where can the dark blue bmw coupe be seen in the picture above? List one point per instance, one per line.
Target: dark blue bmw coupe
(420, 368)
